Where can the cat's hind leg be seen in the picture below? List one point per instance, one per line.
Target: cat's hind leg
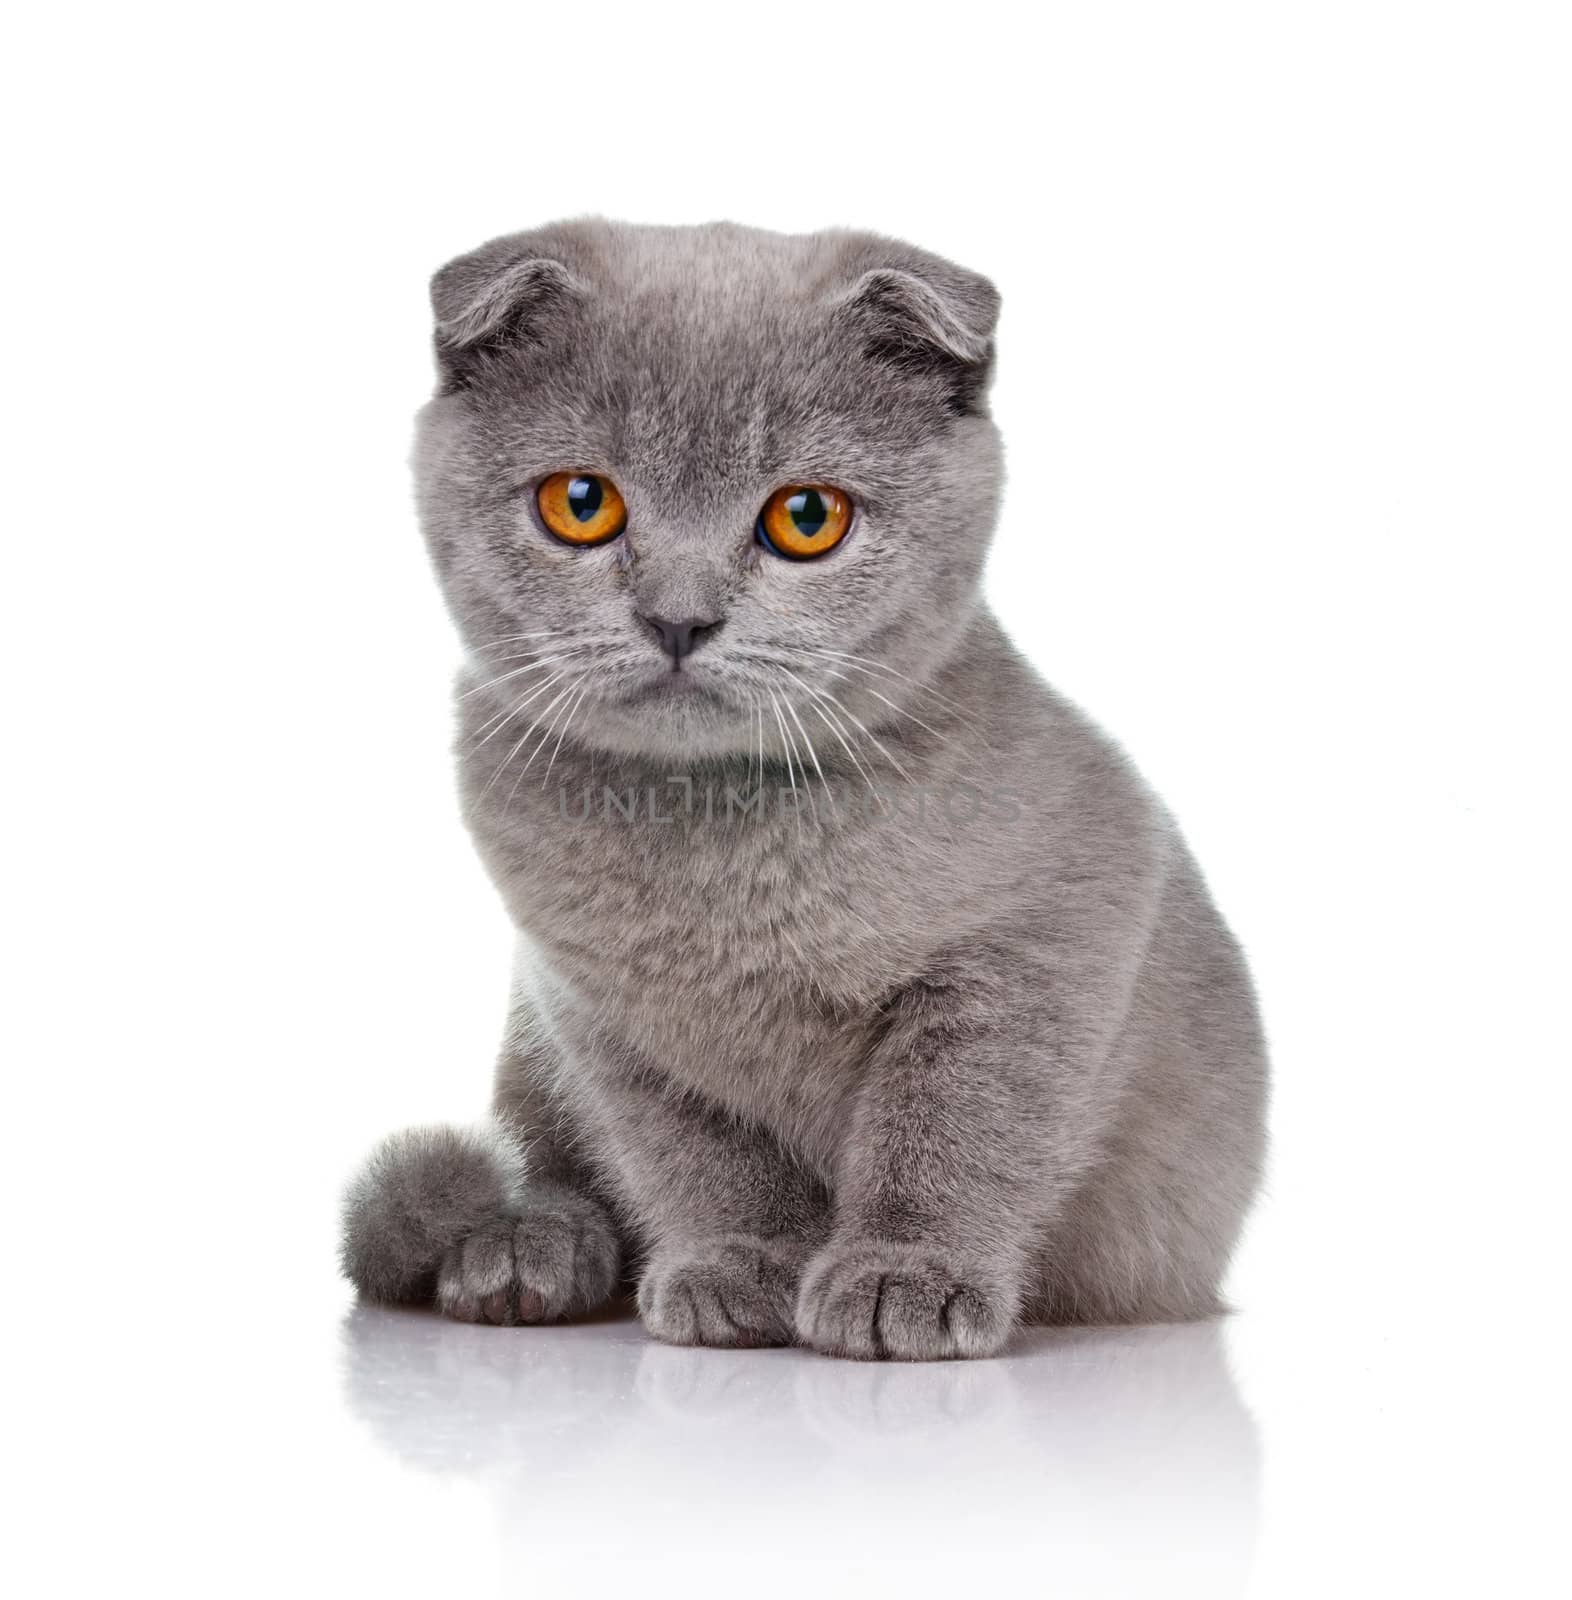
(448, 1215)
(419, 1194)
(559, 1258)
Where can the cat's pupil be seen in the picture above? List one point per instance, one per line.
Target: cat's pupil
(584, 497)
(808, 511)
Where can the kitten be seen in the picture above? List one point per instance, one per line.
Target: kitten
(865, 998)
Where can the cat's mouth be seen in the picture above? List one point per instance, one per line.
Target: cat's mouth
(674, 685)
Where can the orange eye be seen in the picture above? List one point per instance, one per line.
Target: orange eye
(804, 520)
(581, 507)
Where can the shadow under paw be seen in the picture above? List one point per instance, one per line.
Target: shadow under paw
(555, 1261)
(879, 1301)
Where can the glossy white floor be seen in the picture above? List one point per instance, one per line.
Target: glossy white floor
(278, 1436)
(1096, 1457)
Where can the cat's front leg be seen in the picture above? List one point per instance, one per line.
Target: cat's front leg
(728, 1216)
(960, 1146)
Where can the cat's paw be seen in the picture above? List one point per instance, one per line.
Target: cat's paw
(733, 1290)
(560, 1258)
(417, 1196)
(879, 1301)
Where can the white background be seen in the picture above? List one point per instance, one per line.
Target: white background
(1285, 377)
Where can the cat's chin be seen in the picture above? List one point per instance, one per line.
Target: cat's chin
(679, 722)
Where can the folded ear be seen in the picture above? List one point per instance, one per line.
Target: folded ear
(503, 294)
(928, 317)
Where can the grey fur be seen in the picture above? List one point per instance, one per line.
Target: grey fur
(884, 1086)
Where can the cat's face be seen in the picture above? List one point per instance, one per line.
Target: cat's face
(622, 407)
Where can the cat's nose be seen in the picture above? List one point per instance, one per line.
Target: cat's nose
(678, 639)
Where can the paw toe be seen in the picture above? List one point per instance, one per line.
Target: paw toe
(548, 1264)
(874, 1301)
(733, 1293)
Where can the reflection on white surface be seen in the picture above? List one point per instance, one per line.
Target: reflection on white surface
(1100, 1461)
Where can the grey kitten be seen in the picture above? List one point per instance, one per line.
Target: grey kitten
(865, 997)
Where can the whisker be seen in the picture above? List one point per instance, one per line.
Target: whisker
(502, 718)
(535, 663)
(558, 637)
(534, 723)
(503, 764)
(573, 709)
(529, 760)
(912, 716)
(514, 638)
(528, 655)
(791, 776)
(868, 664)
(843, 663)
(807, 740)
(758, 706)
(560, 647)
(832, 722)
(792, 747)
(798, 754)
(874, 741)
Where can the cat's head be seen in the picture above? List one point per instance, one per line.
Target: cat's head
(692, 484)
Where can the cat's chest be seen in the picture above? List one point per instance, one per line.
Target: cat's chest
(746, 954)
